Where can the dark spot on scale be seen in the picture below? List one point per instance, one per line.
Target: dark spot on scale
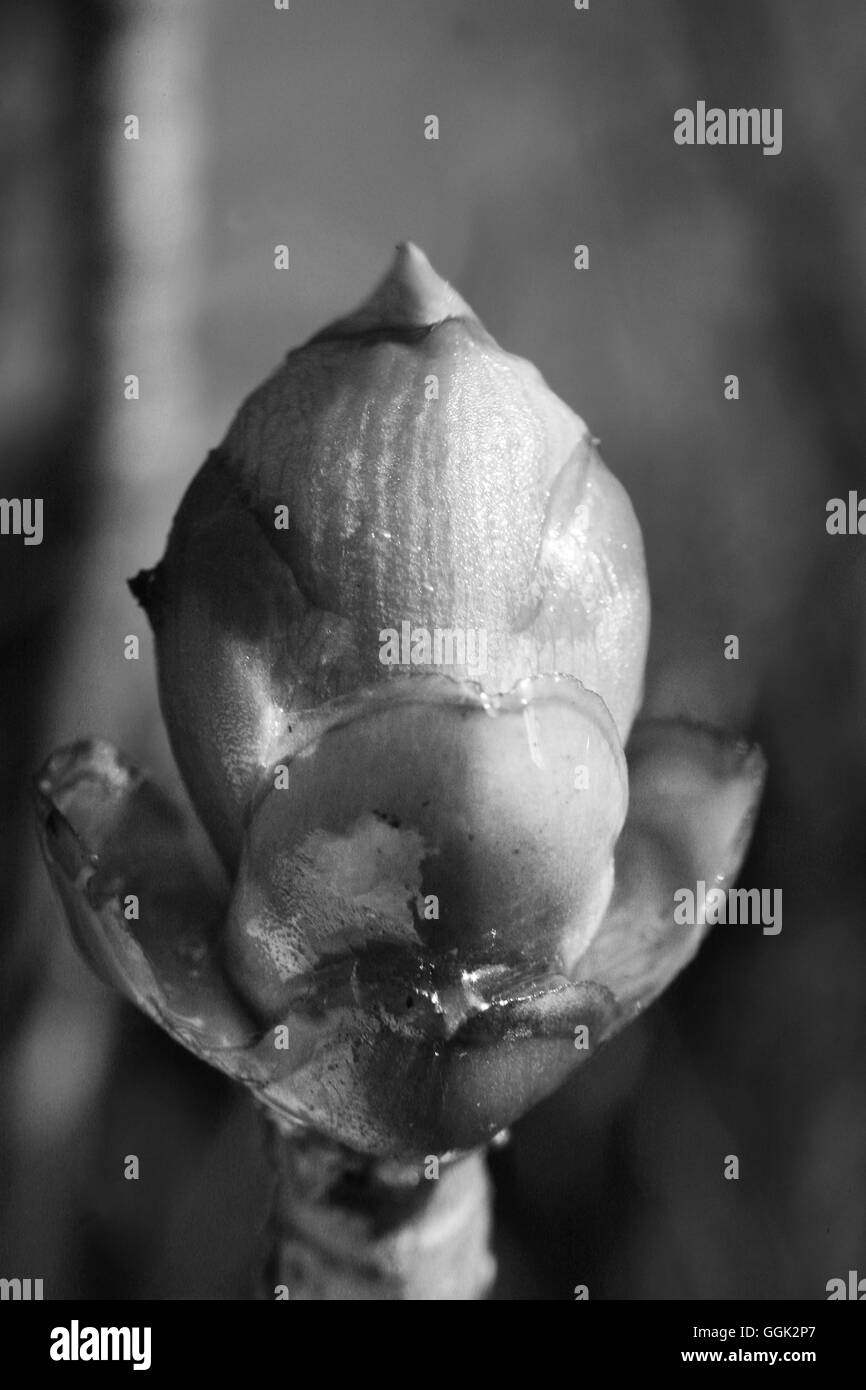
(409, 1001)
(388, 818)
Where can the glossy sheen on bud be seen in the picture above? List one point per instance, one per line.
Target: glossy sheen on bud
(431, 479)
(446, 888)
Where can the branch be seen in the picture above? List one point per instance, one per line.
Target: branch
(350, 1227)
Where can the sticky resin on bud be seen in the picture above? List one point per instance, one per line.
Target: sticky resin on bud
(487, 510)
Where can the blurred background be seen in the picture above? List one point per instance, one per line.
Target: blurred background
(156, 257)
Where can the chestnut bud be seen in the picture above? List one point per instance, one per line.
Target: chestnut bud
(401, 628)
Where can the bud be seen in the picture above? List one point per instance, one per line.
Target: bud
(433, 885)
(486, 511)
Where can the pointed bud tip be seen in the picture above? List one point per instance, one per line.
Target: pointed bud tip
(410, 296)
(413, 295)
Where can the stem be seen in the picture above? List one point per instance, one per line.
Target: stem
(351, 1227)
